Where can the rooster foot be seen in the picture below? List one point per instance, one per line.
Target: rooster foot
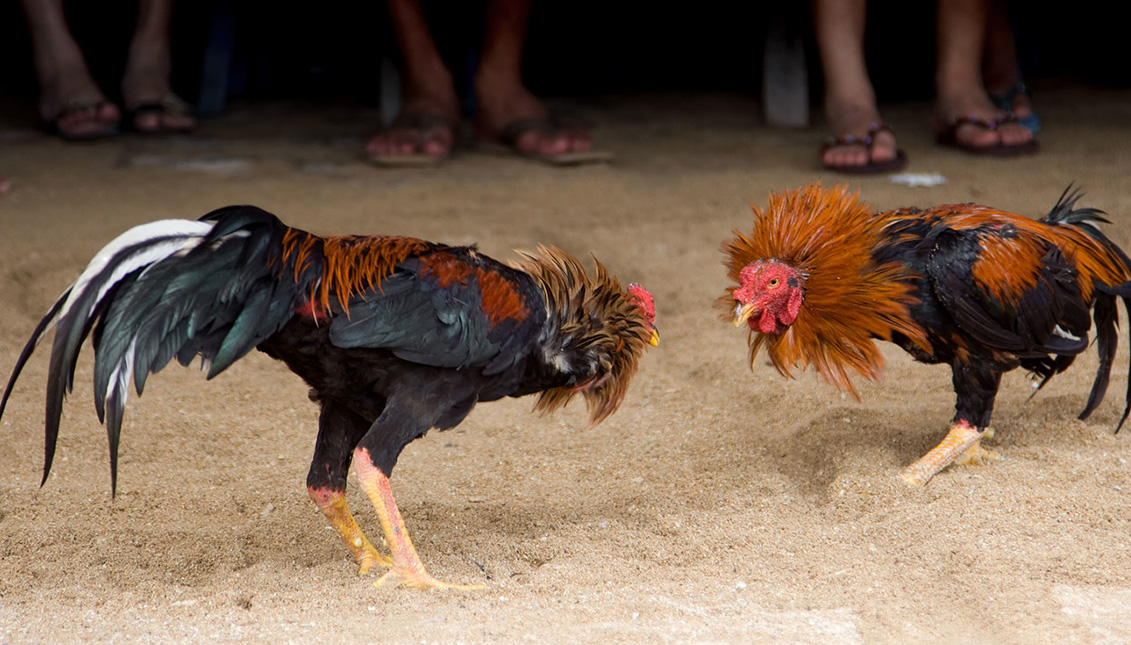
(960, 439)
(976, 455)
(368, 557)
(421, 580)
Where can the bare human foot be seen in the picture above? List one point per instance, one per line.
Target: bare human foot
(504, 102)
(1008, 92)
(1011, 95)
(425, 129)
(964, 114)
(71, 105)
(78, 119)
(1001, 73)
(150, 104)
(854, 126)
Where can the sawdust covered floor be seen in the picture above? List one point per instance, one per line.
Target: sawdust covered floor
(721, 504)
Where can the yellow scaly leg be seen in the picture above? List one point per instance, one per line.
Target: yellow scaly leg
(407, 569)
(333, 505)
(962, 437)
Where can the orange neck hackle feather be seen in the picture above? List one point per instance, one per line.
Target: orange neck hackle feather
(593, 313)
(850, 299)
(352, 264)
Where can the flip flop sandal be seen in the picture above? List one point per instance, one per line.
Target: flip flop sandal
(949, 137)
(51, 126)
(422, 124)
(1005, 102)
(894, 164)
(169, 105)
(507, 143)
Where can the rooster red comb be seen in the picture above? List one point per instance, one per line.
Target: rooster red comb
(643, 297)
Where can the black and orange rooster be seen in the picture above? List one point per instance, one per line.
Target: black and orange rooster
(394, 335)
(822, 275)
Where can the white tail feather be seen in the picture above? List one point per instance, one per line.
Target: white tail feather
(167, 236)
(123, 372)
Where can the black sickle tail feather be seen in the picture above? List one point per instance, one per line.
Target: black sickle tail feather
(36, 336)
(1127, 406)
(1065, 212)
(175, 288)
(1105, 316)
(1124, 293)
(1105, 313)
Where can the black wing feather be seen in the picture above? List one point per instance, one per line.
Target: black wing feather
(1027, 327)
(411, 315)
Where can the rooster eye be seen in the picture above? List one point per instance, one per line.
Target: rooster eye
(773, 283)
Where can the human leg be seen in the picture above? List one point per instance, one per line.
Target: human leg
(850, 101)
(965, 116)
(71, 103)
(426, 126)
(150, 103)
(1001, 71)
(507, 112)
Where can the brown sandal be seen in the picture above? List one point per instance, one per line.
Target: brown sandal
(949, 137)
(868, 141)
(422, 123)
(168, 105)
(506, 143)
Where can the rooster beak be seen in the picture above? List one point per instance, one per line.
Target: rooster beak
(654, 341)
(742, 313)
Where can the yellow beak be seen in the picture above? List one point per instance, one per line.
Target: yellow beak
(654, 341)
(742, 313)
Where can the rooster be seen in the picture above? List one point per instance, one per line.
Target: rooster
(394, 336)
(984, 291)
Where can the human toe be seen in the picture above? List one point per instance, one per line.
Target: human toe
(1013, 134)
(86, 120)
(844, 156)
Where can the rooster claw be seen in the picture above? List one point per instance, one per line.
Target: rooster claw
(370, 559)
(976, 455)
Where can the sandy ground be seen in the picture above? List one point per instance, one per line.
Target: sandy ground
(719, 505)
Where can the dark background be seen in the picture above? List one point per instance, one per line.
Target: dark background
(288, 50)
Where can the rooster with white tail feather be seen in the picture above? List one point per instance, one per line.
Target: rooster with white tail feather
(394, 335)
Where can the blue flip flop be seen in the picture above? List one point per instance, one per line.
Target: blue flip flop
(1005, 102)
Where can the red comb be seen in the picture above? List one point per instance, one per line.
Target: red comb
(643, 298)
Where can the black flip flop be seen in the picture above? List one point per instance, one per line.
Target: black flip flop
(51, 126)
(421, 123)
(507, 143)
(170, 104)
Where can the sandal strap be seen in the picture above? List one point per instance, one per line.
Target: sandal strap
(988, 124)
(867, 140)
(548, 124)
(170, 104)
(1006, 99)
